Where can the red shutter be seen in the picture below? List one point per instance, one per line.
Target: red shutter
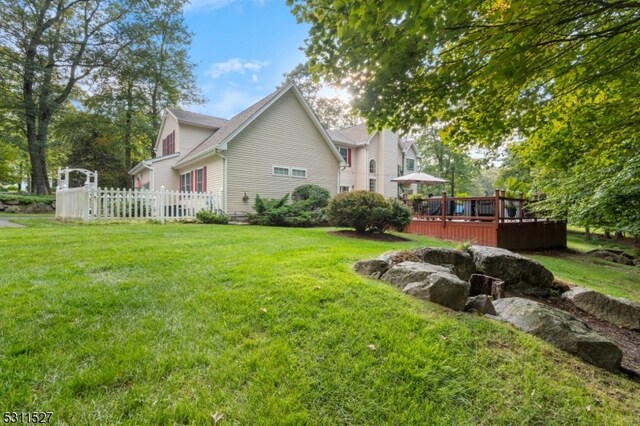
(349, 157)
(204, 179)
(173, 142)
(164, 146)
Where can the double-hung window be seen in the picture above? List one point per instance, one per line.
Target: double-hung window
(345, 153)
(411, 165)
(169, 144)
(201, 179)
(185, 182)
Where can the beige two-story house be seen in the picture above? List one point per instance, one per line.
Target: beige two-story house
(269, 149)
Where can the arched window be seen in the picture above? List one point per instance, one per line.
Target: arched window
(372, 166)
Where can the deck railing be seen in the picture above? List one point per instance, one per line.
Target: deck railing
(90, 203)
(497, 209)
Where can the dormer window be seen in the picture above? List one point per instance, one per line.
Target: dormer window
(411, 165)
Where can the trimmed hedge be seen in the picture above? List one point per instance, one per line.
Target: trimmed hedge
(367, 211)
(28, 199)
(209, 217)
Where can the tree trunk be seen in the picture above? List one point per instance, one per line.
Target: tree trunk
(618, 235)
(607, 234)
(587, 233)
(127, 130)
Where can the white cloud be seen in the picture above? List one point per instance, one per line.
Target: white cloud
(216, 4)
(234, 65)
(207, 4)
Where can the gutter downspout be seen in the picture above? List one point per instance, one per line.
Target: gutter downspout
(153, 175)
(339, 173)
(224, 180)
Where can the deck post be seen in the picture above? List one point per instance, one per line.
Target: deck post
(444, 209)
(496, 211)
(521, 202)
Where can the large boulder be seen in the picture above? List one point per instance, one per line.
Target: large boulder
(442, 288)
(460, 262)
(619, 311)
(481, 304)
(2, 206)
(372, 268)
(395, 257)
(410, 272)
(38, 208)
(561, 329)
(519, 273)
(617, 256)
(13, 208)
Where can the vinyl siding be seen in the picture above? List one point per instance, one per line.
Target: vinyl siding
(169, 125)
(348, 175)
(165, 175)
(389, 170)
(283, 135)
(188, 137)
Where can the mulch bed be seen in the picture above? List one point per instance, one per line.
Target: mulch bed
(373, 236)
(627, 340)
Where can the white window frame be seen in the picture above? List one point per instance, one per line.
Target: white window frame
(410, 170)
(298, 169)
(345, 188)
(185, 182)
(375, 184)
(373, 163)
(273, 171)
(199, 180)
(346, 154)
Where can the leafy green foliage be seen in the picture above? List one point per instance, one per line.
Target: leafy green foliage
(367, 211)
(211, 217)
(557, 79)
(316, 196)
(332, 111)
(307, 209)
(28, 199)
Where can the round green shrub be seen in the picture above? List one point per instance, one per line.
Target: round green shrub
(367, 211)
(314, 196)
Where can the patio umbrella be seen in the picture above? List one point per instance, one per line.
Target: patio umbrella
(419, 177)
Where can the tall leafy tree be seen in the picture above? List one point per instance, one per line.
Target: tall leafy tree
(557, 79)
(53, 45)
(331, 110)
(149, 76)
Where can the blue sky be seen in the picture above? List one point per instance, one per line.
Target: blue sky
(241, 48)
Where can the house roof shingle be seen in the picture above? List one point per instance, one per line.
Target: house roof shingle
(196, 119)
(358, 134)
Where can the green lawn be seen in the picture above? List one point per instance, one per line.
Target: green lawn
(601, 275)
(152, 324)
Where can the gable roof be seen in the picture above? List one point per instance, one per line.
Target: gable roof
(237, 123)
(193, 118)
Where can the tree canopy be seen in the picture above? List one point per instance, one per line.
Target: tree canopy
(557, 79)
(331, 110)
(89, 51)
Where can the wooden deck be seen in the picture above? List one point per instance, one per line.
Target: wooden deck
(477, 219)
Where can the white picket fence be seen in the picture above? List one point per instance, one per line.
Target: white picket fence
(90, 203)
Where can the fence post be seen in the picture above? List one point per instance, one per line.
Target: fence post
(85, 202)
(444, 209)
(521, 202)
(497, 209)
(161, 204)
